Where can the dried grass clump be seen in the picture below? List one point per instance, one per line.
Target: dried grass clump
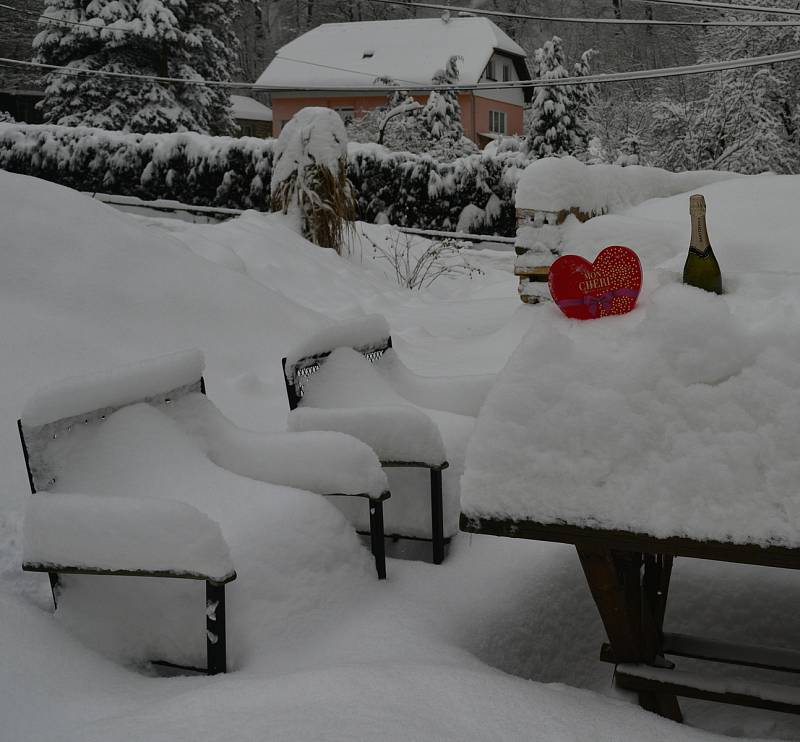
(309, 178)
(325, 200)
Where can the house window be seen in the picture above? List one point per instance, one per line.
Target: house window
(347, 113)
(506, 73)
(490, 74)
(497, 122)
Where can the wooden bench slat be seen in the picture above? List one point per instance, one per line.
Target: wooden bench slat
(72, 570)
(748, 655)
(709, 688)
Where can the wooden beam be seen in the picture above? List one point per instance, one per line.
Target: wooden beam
(769, 696)
(723, 551)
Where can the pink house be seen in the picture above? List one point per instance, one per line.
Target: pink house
(345, 58)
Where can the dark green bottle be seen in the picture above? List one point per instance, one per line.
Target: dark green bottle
(701, 268)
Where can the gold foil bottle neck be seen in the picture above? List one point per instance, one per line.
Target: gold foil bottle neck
(697, 203)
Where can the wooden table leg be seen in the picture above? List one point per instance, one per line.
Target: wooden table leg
(631, 620)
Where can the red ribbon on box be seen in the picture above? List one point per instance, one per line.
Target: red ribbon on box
(610, 285)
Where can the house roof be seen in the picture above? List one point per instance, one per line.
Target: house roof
(245, 107)
(410, 50)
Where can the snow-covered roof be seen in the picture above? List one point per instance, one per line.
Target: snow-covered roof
(245, 107)
(411, 50)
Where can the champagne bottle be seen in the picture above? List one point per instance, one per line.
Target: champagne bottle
(701, 268)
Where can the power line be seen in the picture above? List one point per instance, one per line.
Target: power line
(597, 79)
(596, 21)
(38, 17)
(700, 4)
(726, 6)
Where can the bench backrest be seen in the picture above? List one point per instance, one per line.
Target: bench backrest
(36, 440)
(297, 374)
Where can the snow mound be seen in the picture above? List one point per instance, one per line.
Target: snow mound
(348, 394)
(556, 183)
(123, 533)
(115, 388)
(363, 332)
(679, 419)
(314, 136)
(319, 461)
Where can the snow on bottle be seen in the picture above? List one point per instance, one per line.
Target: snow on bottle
(701, 268)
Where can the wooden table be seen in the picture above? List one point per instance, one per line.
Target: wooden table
(629, 574)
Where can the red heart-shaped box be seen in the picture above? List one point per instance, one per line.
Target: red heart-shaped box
(610, 285)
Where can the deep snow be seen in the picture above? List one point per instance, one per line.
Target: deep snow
(499, 642)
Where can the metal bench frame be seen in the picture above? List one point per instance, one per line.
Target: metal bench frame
(295, 377)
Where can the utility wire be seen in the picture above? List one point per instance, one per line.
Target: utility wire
(596, 21)
(551, 19)
(597, 79)
(726, 6)
(38, 17)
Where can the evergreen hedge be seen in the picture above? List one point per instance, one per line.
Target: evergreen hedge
(473, 193)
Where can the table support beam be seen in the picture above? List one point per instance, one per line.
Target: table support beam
(632, 610)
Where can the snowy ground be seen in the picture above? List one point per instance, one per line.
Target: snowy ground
(500, 642)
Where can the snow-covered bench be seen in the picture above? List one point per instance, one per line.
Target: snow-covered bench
(75, 533)
(348, 378)
(148, 534)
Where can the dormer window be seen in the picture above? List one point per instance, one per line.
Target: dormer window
(490, 72)
(368, 54)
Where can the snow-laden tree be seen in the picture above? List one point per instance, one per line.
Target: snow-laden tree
(441, 115)
(734, 125)
(557, 126)
(434, 128)
(165, 38)
(742, 120)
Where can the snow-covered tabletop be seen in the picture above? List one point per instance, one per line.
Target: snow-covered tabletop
(680, 419)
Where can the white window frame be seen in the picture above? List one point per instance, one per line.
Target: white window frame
(490, 71)
(346, 113)
(506, 72)
(497, 122)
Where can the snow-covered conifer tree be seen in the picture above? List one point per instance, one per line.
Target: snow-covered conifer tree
(556, 128)
(165, 38)
(441, 115)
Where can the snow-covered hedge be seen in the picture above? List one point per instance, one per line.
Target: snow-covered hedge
(474, 193)
(470, 194)
(187, 167)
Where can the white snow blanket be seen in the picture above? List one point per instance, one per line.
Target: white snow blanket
(318, 461)
(556, 183)
(348, 394)
(123, 533)
(351, 395)
(370, 330)
(679, 419)
(113, 388)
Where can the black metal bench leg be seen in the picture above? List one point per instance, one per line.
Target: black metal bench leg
(215, 628)
(376, 535)
(437, 516)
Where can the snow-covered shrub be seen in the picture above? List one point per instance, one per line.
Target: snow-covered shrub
(309, 176)
(396, 187)
(191, 168)
(418, 263)
(412, 190)
(6, 117)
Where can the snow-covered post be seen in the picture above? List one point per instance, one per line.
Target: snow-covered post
(309, 176)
